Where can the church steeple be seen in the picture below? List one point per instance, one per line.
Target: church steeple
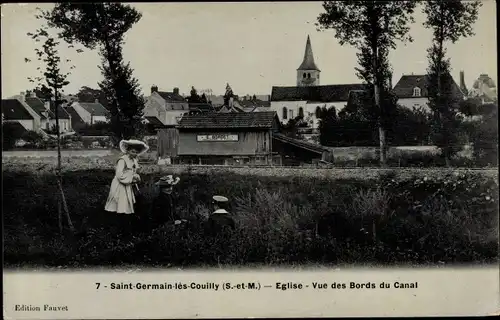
(308, 72)
(308, 62)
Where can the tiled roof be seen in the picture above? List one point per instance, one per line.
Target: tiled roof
(17, 127)
(201, 106)
(171, 97)
(76, 120)
(37, 105)
(301, 143)
(404, 87)
(229, 120)
(227, 109)
(254, 103)
(96, 109)
(62, 113)
(13, 109)
(328, 93)
(357, 97)
(154, 121)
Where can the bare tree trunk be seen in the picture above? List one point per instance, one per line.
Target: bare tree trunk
(58, 171)
(65, 205)
(59, 216)
(376, 82)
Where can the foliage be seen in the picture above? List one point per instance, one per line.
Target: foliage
(449, 21)
(373, 28)
(356, 126)
(228, 94)
(410, 127)
(484, 136)
(90, 95)
(96, 129)
(104, 25)
(11, 132)
(290, 129)
(279, 220)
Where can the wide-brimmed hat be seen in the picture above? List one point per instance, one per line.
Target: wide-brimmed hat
(220, 199)
(167, 181)
(125, 144)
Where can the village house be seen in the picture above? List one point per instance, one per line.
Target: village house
(308, 96)
(167, 107)
(485, 89)
(46, 111)
(252, 104)
(13, 111)
(411, 91)
(41, 114)
(89, 112)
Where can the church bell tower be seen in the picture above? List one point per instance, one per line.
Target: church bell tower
(308, 72)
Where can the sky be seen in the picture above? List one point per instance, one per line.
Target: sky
(251, 46)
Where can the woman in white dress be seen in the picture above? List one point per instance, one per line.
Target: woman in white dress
(121, 197)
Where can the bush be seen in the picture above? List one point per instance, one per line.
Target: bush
(11, 132)
(279, 221)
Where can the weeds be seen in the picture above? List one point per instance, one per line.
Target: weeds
(279, 221)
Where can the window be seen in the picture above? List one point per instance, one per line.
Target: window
(318, 112)
(308, 76)
(285, 113)
(304, 76)
(301, 112)
(416, 92)
(290, 114)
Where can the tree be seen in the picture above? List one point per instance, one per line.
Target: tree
(54, 79)
(104, 25)
(194, 97)
(228, 95)
(482, 129)
(373, 27)
(204, 98)
(87, 94)
(42, 92)
(327, 125)
(449, 21)
(11, 132)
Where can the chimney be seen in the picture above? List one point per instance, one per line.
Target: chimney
(33, 94)
(176, 90)
(96, 100)
(22, 96)
(154, 89)
(47, 105)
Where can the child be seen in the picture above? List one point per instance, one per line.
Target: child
(163, 208)
(220, 221)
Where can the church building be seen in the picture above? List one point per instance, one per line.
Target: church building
(308, 96)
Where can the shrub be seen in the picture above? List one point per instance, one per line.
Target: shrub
(279, 220)
(11, 132)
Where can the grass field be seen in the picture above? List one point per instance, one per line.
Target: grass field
(383, 219)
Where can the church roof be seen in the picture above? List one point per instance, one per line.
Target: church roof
(328, 93)
(308, 62)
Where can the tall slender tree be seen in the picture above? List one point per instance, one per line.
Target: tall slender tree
(449, 21)
(228, 95)
(52, 81)
(373, 27)
(103, 25)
